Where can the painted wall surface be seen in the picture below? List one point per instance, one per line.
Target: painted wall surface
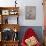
(22, 3)
(39, 13)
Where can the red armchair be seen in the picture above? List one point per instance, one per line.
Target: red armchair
(28, 34)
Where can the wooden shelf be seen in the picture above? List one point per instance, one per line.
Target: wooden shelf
(5, 8)
(4, 13)
(11, 41)
(11, 26)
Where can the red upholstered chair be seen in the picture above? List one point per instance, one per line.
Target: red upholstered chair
(29, 33)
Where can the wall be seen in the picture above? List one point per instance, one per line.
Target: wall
(39, 11)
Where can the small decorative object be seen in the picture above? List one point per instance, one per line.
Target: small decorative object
(5, 12)
(30, 12)
(13, 12)
(6, 21)
(15, 30)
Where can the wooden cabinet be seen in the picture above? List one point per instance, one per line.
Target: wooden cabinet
(10, 43)
(9, 23)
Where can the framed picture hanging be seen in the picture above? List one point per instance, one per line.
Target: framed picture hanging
(30, 12)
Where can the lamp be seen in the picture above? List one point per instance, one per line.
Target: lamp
(15, 3)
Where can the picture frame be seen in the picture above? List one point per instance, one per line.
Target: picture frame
(30, 12)
(5, 12)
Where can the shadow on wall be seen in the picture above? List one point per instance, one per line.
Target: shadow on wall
(37, 29)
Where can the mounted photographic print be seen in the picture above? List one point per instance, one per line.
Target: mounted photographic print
(5, 12)
(30, 12)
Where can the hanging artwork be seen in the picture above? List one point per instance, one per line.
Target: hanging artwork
(30, 12)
